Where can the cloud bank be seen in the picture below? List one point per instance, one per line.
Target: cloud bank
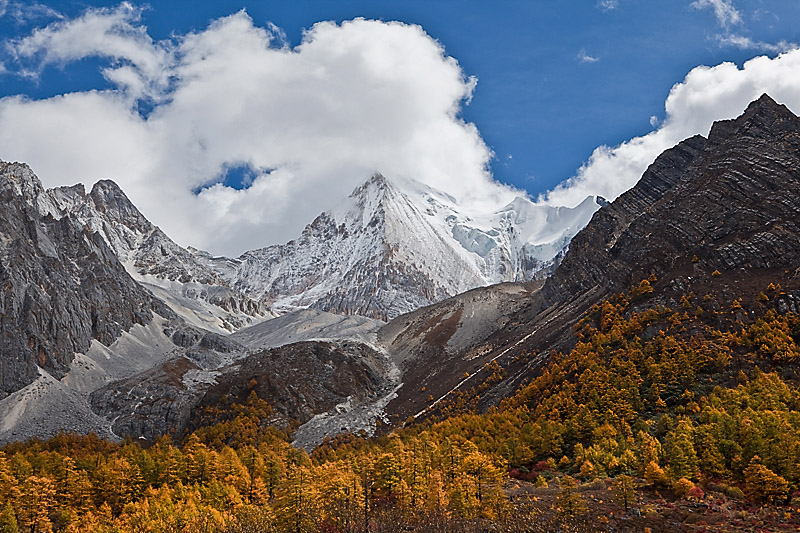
(304, 124)
(706, 94)
(308, 123)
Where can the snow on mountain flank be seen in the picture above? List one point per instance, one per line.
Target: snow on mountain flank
(393, 246)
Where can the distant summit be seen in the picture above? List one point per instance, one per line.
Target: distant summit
(393, 246)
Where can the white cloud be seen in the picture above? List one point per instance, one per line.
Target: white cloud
(312, 122)
(138, 64)
(746, 43)
(653, 121)
(608, 5)
(584, 57)
(24, 12)
(727, 15)
(706, 94)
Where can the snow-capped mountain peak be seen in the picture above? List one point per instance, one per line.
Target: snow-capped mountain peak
(395, 245)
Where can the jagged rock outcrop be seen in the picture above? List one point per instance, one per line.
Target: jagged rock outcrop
(199, 294)
(62, 286)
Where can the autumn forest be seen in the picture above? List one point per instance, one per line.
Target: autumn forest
(685, 401)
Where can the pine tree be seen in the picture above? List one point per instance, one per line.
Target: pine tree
(296, 501)
(387, 474)
(625, 491)
(198, 461)
(437, 501)
(462, 496)
(679, 450)
(8, 520)
(273, 472)
(569, 502)
(36, 500)
(762, 484)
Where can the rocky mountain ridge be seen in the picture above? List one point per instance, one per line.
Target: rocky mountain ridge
(62, 285)
(197, 293)
(718, 215)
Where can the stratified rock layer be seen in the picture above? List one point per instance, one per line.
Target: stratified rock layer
(729, 203)
(733, 201)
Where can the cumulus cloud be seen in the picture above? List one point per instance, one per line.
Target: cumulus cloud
(727, 15)
(584, 57)
(310, 122)
(706, 94)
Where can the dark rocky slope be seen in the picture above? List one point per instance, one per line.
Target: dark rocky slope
(732, 200)
(298, 380)
(729, 203)
(302, 379)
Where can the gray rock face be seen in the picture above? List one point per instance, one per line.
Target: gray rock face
(732, 200)
(62, 286)
(148, 405)
(306, 325)
(154, 259)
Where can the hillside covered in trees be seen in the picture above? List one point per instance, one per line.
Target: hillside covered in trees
(654, 407)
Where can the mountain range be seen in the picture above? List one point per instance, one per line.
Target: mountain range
(388, 306)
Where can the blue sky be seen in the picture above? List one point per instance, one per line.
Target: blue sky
(555, 79)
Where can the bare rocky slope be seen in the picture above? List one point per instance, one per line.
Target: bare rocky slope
(728, 204)
(300, 378)
(62, 285)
